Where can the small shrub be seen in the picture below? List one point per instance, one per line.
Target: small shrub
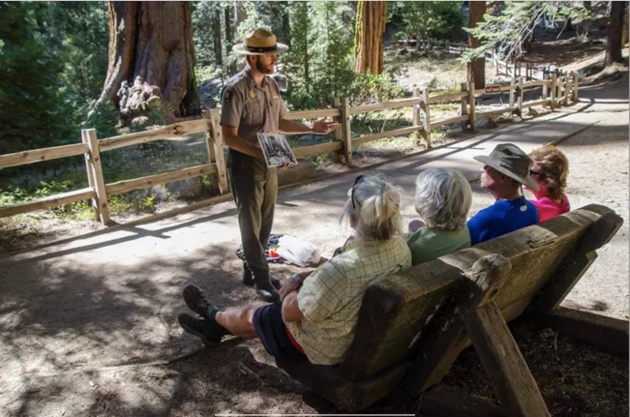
(104, 118)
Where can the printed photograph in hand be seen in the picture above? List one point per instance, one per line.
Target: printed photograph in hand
(276, 149)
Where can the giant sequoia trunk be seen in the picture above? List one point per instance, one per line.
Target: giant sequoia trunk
(614, 32)
(151, 54)
(370, 36)
(476, 67)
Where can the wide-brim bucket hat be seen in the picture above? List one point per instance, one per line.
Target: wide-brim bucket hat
(260, 42)
(511, 161)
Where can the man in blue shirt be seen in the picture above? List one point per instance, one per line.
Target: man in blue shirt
(505, 170)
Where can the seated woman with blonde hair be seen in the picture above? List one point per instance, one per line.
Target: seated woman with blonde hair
(317, 317)
(443, 199)
(550, 171)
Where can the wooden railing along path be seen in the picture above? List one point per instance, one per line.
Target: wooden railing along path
(555, 92)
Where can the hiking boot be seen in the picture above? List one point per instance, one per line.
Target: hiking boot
(196, 300)
(248, 278)
(210, 332)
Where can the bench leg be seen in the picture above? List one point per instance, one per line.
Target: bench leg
(513, 382)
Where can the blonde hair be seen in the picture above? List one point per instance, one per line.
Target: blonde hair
(376, 208)
(555, 167)
(443, 198)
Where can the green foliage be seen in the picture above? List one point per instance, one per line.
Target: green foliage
(104, 119)
(31, 107)
(319, 63)
(507, 32)
(427, 19)
(53, 59)
(203, 32)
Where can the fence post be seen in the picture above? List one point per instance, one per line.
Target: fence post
(97, 176)
(464, 104)
(347, 132)
(514, 69)
(427, 117)
(567, 87)
(558, 85)
(217, 146)
(512, 90)
(90, 175)
(206, 114)
(415, 114)
(554, 78)
(337, 132)
(545, 89)
(471, 104)
(520, 97)
(575, 87)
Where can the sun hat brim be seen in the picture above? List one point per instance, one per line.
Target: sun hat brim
(239, 48)
(527, 181)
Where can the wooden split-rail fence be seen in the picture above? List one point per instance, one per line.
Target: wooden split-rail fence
(445, 45)
(555, 92)
(526, 70)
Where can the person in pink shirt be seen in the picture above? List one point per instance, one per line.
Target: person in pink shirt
(550, 171)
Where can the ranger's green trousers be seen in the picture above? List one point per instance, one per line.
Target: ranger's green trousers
(255, 188)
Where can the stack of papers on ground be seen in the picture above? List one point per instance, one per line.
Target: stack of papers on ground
(297, 251)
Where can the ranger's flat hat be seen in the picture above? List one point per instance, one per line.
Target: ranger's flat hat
(510, 160)
(260, 42)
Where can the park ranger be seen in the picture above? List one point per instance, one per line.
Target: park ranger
(251, 104)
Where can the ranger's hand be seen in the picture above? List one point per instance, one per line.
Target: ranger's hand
(322, 127)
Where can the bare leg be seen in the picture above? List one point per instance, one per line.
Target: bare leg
(238, 322)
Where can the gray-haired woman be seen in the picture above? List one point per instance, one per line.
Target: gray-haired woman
(317, 318)
(443, 199)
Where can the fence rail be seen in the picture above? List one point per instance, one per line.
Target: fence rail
(524, 69)
(556, 91)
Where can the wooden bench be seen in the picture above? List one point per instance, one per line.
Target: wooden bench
(412, 326)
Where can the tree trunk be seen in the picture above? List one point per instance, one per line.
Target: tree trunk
(229, 33)
(476, 67)
(218, 48)
(613, 32)
(286, 24)
(586, 23)
(369, 37)
(624, 33)
(239, 13)
(151, 43)
(229, 37)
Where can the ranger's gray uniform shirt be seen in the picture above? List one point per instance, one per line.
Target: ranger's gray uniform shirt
(252, 108)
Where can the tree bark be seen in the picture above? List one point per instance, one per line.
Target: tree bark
(218, 48)
(613, 32)
(229, 33)
(239, 13)
(153, 41)
(370, 36)
(476, 68)
(229, 37)
(624, 33)
(586, 24)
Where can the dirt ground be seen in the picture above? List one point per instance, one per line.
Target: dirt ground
(88, 328)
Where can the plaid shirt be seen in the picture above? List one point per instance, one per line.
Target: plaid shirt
(331, 297)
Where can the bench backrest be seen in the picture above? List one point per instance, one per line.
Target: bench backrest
(397, 311)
